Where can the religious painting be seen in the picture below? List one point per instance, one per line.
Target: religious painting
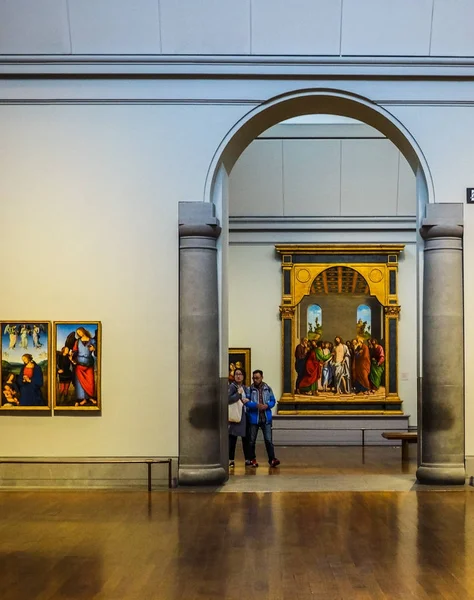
(25, 365)
(77, 354)
(339, 314)
(239, 358)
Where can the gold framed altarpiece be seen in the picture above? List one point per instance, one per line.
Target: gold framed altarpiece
(347, 292)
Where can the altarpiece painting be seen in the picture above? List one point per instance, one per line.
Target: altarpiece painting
(339, 314)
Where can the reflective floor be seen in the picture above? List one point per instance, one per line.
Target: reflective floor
(242, 545)
(326, 468)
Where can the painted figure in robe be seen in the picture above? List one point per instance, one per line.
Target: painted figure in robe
(83, 360)
(30, 381)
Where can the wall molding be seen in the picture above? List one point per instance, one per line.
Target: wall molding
(197, 66)
(399, 223)
(273, 230)
(130, 101)
(220, 102)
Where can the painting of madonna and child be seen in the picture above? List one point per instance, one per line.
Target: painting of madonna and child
(340, 351)
(25, 365)
(77, 365)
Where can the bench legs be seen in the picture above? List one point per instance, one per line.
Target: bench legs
(170, 473)
(405, 451)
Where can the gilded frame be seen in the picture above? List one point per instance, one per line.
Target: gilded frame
(31, 391)
(301, 264)
(243, 356)
(84, 390)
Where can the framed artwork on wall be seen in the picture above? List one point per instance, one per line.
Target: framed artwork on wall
(26, 352)
(76, 365)
(339, 329)
(239, 358)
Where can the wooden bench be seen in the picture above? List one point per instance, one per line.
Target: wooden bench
(406, 437)
(95, 461)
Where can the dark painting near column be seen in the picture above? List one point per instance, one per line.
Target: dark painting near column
(25, 365)
(239, 358)
(77, 348)
(339, 314)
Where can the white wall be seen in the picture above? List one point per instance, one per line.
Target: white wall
(153, 151)
(89, 204)
(322, 170)
(451, 169)
(254, 316)
(254, 300)
(407, 332)
(259, 27)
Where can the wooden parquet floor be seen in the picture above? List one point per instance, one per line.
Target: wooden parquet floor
(333, 460)
(112, 545)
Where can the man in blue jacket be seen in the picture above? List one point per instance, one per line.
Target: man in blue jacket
(259, 410)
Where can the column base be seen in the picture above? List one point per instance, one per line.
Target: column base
(202, 475)
(441, 474)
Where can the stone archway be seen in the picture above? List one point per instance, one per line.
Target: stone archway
(441, 418)
(319, 101)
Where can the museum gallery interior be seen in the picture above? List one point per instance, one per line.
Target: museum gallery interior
(193, 188)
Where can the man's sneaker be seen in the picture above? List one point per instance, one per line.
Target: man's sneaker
(275, 462)
(248, 463)
(231, 464)
(253, 464)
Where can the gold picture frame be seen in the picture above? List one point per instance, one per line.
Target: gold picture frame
(359, 280)
(77, 349)
(240, 358)
(25, 367)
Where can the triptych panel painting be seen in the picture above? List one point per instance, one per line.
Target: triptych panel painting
(50, 366)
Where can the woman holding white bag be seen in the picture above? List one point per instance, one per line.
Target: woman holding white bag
(238, 398)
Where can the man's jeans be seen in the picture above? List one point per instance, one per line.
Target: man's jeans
(267, 436)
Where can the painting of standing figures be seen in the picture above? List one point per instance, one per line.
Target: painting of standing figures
(77, 365)
(25, 365)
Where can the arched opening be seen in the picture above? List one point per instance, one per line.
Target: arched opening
(323, 101)
(314, 320)
(304, 103)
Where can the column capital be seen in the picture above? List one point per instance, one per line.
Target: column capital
(198, 219)
(432, 231)
(286, 312)
(442, 220)
(392, 310)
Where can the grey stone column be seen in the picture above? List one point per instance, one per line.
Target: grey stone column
(199, 393)
(442, 402)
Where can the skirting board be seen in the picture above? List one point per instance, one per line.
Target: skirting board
(469, 467)
(84, 476)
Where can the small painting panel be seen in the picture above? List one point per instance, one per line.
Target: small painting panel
(315, 319)
(26, 351)
(239, 358)
(77, 353)
(364, 322)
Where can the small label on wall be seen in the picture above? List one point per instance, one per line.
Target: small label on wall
(470, 195)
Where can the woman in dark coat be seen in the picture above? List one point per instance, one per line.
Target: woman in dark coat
(238, 391)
